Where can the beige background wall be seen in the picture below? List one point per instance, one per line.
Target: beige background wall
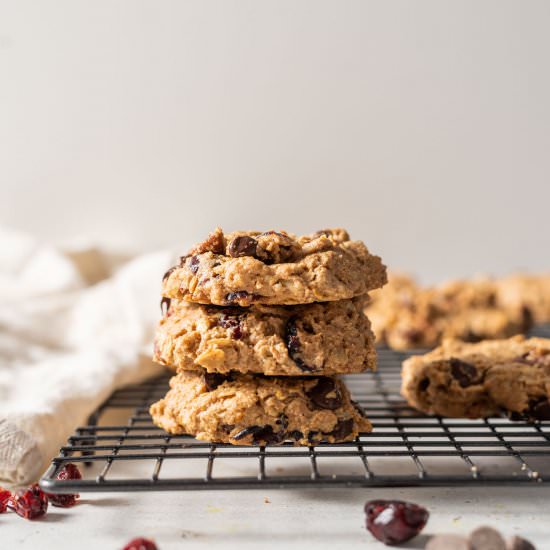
(424, 127)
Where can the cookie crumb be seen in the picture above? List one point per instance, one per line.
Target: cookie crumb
(266, 500)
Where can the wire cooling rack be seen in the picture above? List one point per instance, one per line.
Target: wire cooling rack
(405, 448)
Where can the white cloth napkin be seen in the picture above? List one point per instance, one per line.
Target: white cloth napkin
(74, 326)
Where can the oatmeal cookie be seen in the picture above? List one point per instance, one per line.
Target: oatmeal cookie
(256, 410)
(274, 267)
(530, 291)
(480, 380)
(407, 316)
(314, 339)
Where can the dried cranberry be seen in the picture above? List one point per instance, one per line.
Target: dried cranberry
(232, 322)
(395, 521)
(194, 264)
(5, 496)
(325, 394)
(141, 544)
(69, 471)
(29, 503)
(293, 344)
(242, 246)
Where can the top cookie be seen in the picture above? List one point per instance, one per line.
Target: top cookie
(245, 268)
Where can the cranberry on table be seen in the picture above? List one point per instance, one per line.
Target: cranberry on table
(5, 496)
(395, 521)
(69, 471)
(29, 503)
(141, 544)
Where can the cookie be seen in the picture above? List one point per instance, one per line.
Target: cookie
(531, 291)
(256, 410)
(278, 268)
(314, 339)
(407, 316)
(479, 380)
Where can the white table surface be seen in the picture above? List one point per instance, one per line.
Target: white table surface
(329, 518)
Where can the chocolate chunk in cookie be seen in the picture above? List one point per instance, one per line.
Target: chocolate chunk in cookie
(242, 246)
(325, 394)
(465, 373)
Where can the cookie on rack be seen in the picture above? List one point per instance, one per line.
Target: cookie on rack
(274, 267)
(257, 410)
(405, 315)
(531, 291)
(480, 380)
(314, 339)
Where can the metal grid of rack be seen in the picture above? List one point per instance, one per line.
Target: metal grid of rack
(405, 449)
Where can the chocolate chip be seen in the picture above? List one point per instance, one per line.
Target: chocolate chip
(212, 380)
(247, 431)
(295, 434)
(359, 409)
(168, 273)
(282, 421)
(294, 346)
(423, 384)
(413, 336)
(242, 246)
(539, 409)
(342, 429)
(268, 436)
(519, 543)
(227, 428)
(312, 437)
(261, 434)
(165, 306)
(239, 295)
(515, 416)
(321, 396)
(486, 538)
(465, 373)
(526, 318)
(471, 337)
(194, 264)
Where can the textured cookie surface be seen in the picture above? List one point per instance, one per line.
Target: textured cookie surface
(406, 316)
(314, 339)
(532, 291)
(245, 268)
(257, 410)
(480, 380)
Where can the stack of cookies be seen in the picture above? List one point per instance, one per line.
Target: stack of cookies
(258, 326)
